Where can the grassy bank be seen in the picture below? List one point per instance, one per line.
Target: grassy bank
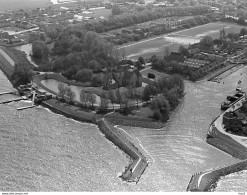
(133, 121)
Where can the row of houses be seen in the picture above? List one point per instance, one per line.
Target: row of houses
(16, 23)
(10, 39)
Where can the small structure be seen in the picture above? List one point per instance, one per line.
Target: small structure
(176, 56)
(4, 35)
(228, 118)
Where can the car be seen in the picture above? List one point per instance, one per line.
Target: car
(239, 89)
(151, 76)
(216, 80)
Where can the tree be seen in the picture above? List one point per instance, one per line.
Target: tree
(96, 81)
(141, 60)
(91, 98)
(61, 90)
(118, 96)
(130, 93)
(243, 31)
(222, 34)
(206, 42)
(136, 96)
(104, 101)
(183, 51)
(111, 97)
(83, 75)
(22, 74)
(123, 53)
(116, 10)
(167, 52)
(40, 50)
(138, 64)
(83, 97)
(70, 94)
(94, 65)
(160, 107)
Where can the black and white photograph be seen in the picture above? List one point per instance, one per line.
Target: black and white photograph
(123, 96)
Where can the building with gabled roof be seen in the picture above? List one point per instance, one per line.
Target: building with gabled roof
(122, 76)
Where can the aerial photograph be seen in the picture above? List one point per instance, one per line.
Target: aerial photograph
(123, 96)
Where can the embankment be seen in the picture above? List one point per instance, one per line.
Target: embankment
(139, 163)
(217, 73)
(228, 145)
(134, 121)
(206, 181)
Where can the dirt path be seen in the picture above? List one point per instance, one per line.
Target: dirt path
(7, 57)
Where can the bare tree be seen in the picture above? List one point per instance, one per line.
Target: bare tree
(104, 101)
(111, 97)
(61, 90)
(123, 53)
(70, 93)
(91, 98)
(167, 52)
(83, 97)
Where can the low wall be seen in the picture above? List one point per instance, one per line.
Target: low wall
(208, 179)
(139, 162)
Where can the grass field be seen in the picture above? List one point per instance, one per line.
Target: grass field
(157, 45)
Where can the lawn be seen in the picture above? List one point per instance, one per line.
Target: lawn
(101, 12)
(144, 112)
(157, 74)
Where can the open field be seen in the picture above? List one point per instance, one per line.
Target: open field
(102, 12)
(157, 45)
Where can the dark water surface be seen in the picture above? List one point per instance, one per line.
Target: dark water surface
(43, 151)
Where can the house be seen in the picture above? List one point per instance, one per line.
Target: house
(15, 40)
(4, 35)
(122, 76)
(176, 56)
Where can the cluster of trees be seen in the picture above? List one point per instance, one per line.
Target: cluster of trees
(77, 54)
(127, 17)
(66, 93)
(87, 98)
(166, 93)
(22, 74)
(127, 99)
(40, 50)
(122, 38)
